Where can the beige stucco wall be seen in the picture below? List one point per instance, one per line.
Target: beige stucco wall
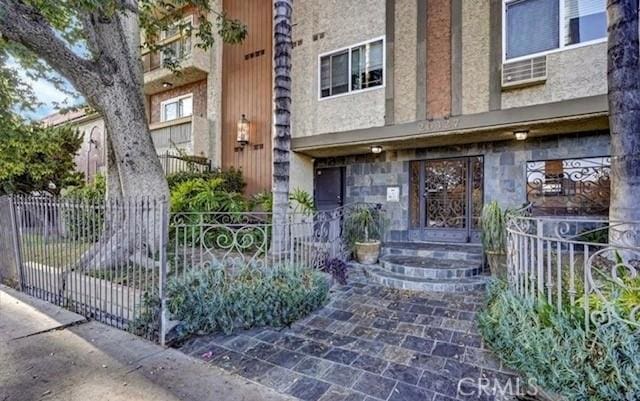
(571, 73)
(475, 56)
(344, 23)
(95, 153)
(301, 173)
(406, 31)
(214, 98)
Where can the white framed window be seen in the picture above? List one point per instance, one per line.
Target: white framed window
(352, 69)
(175, 108)
(536, 27)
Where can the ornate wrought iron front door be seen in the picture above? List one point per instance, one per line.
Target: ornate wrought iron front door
(448, 199)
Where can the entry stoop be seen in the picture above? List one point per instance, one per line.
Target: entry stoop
(430, 267)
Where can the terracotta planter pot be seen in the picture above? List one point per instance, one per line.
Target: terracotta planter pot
(497, 264)
(367, 253)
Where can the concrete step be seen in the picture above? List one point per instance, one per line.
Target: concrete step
(433, 268)
(434, 250)
(400, 281)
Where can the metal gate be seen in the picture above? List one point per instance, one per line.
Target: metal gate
(448, 199)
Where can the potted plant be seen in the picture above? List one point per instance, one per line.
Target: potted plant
(493, 238)
(363, 231)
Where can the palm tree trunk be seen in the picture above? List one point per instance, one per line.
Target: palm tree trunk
(282, 119)
(623, 75)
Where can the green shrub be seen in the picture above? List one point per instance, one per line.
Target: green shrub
(219, 299)
(365, 223)
(493, 227)
(263, 201)
(300, 201)
(85, 222)
(200, 195)
(232, 179)
(553, 347)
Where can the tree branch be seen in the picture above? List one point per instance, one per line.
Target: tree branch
(22, 23)
(131, 5)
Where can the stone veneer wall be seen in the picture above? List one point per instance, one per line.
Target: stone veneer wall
(368, 176)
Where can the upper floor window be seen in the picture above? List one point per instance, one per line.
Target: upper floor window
(176, 108)
(355, 68)
(538, 26)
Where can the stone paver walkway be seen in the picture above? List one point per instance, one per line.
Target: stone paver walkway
(368, 343)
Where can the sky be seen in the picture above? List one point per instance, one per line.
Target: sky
(49, 96)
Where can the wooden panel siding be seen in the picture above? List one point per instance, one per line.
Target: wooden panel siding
(247, 89)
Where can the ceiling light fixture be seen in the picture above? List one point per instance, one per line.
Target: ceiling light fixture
(376, 149)
(521, 135)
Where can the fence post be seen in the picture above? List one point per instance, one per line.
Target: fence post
(10, 266)
(162, 280)
(540, 257)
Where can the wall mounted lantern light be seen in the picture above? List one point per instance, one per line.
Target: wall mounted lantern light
(521, 135)
(243, 131)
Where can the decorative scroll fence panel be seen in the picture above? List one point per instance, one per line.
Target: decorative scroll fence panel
(110, 261)
(234, 240)
(587, 265)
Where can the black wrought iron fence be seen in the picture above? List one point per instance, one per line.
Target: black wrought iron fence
(111, 260)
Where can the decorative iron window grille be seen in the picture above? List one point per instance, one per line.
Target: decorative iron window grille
(569, 187)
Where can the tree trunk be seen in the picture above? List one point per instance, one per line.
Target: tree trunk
(111, 81)
(623, 76)
(282, 119)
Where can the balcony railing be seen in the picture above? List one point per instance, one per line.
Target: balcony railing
(176, 132)
(174, 51)
(172, 163)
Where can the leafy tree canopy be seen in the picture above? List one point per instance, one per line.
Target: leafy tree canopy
(33, 158)
(72, 21)
(38, 158)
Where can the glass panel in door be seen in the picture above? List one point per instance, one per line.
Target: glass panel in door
(446, 193)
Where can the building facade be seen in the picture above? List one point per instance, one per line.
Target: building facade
(91, 158)
(431, 108)
(434, 108)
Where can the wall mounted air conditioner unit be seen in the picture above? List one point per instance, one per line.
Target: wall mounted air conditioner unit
(524, 72)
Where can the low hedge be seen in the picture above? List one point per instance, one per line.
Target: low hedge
(217, 299)
(552, 347)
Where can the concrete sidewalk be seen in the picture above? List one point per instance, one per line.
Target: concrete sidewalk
(48, 353)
